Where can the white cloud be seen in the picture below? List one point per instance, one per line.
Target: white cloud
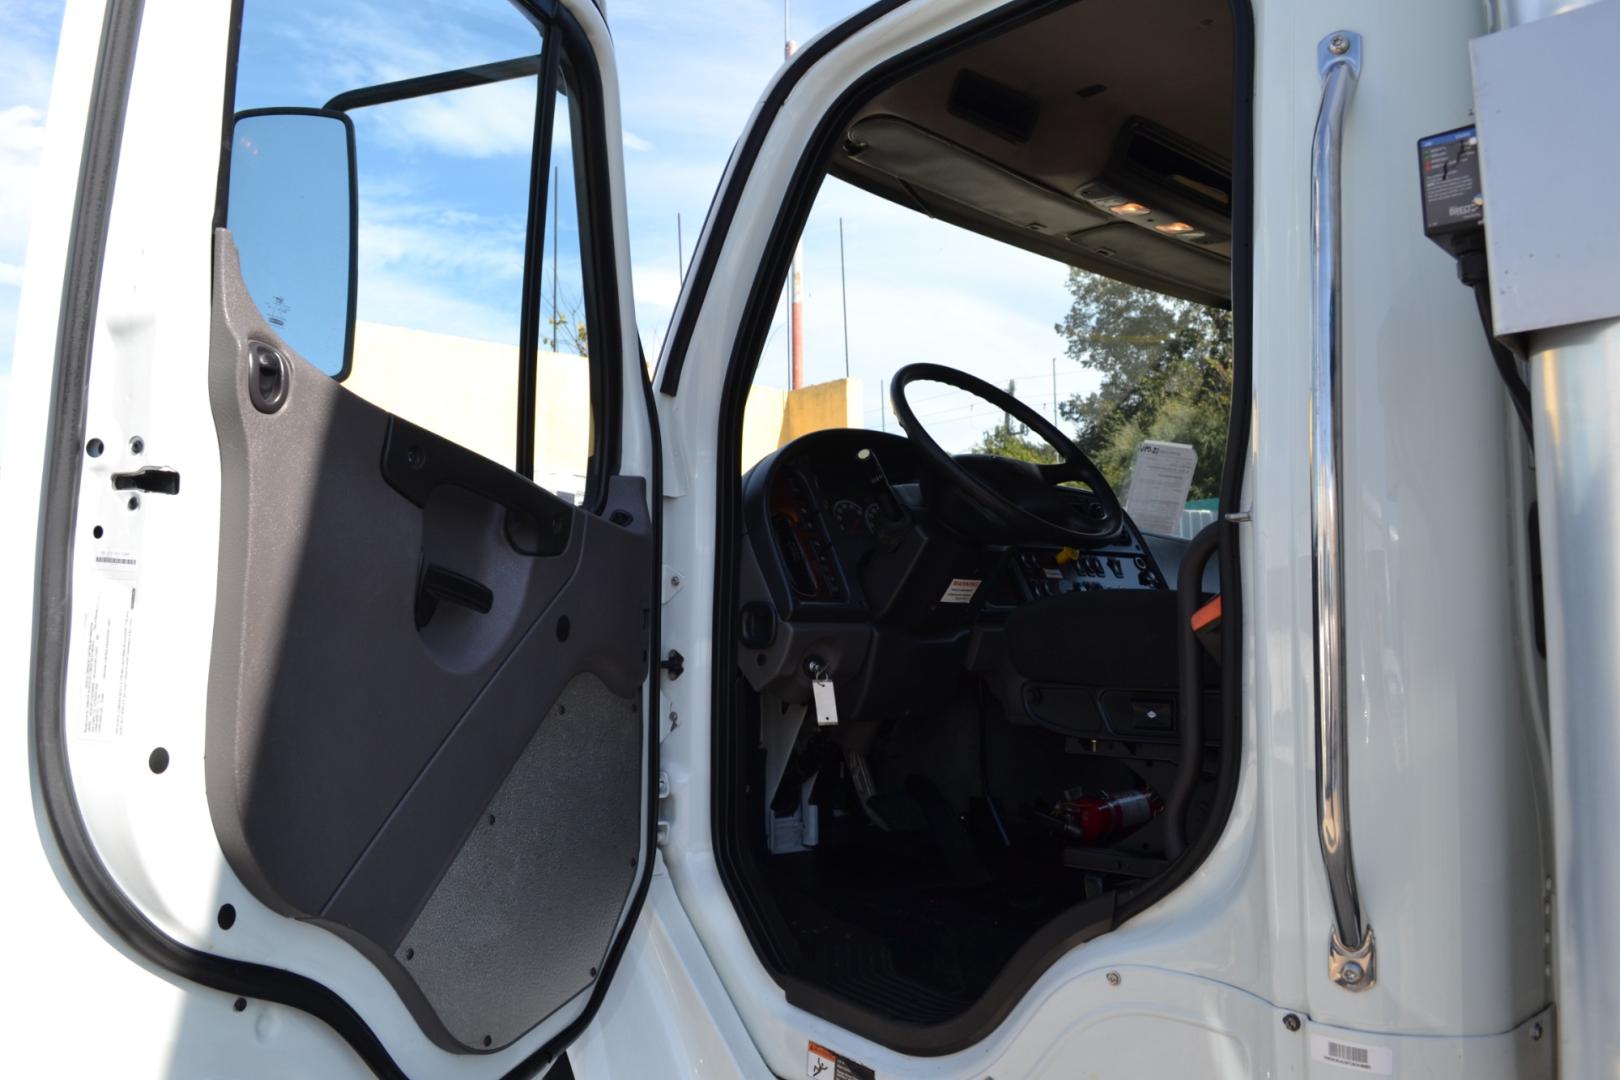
(632, 141)
(478, 122)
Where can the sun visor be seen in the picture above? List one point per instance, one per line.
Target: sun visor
(929, 163)
(1127, 245)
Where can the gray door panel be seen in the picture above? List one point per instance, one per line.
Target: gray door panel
(393, 666)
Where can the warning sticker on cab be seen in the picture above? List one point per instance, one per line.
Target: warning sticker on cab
(823, 1064)
(108, 631)
(1358, 1057)
(960, 590)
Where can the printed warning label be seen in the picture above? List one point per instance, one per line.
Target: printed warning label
(108, 632)
(823, 1064)
(1372, 1060)
(960, 590)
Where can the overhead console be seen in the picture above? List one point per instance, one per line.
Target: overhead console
(1160, 209)
(1102, 156)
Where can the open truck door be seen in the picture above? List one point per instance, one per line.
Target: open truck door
(344, 654)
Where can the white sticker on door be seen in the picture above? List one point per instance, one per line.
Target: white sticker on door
(960, 590)
(1357, 1057)
(108, 633)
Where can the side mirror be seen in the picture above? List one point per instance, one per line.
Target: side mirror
(292, 210)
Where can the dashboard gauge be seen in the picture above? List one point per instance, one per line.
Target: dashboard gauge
(849, 515)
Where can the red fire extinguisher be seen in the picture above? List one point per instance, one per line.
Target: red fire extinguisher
(1100, 816)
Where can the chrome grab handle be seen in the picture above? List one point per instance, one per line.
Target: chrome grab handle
(1350, 950)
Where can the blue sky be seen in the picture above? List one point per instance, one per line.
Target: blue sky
(690, 75)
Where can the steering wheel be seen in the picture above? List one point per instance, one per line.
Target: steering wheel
(1059, 518)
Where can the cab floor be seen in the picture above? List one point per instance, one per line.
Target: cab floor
(906, 930)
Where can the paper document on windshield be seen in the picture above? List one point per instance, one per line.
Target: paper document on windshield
(1160, 480)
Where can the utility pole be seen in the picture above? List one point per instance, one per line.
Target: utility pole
(1055, 421)
(843, 293)
(556, 205)
(1006, 417)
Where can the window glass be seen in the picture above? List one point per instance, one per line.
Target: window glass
(444, 189)
(883, 286)
(563, 417)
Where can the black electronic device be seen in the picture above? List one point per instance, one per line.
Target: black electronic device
(1448, 172)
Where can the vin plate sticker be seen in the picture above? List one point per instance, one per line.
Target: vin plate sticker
(960, 590)
(1359, 1057)
(822, 1064)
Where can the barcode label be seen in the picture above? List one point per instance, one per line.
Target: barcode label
(1362, 1058)
(1354, 1055)
(117, 564)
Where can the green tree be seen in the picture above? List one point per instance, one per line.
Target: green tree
(1004, 441)
(1166, 367)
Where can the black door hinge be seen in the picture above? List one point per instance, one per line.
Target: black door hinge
(675, 665)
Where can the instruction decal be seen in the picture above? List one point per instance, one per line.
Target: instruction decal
(960, 590)
(823, 1064)
(1358, 1057)
(108, 633)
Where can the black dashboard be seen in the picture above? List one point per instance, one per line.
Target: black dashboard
(843, 522)
(858, 562)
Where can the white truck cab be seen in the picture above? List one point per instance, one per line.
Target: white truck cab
(417, 681)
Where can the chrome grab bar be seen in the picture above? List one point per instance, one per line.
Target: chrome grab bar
(1350, 950)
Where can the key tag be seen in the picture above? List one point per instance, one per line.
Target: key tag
(826, 702)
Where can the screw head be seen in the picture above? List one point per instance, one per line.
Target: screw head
(1338, 45)
(1536, 1031)
(1351, 973)
(675, 581)
(1113, 978)
(415, 457)
(1291, 1022)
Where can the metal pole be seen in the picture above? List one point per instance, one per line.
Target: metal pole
(1055, 416)
(843, 292)
(556, 206)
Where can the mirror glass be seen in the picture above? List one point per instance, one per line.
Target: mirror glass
(291, 213)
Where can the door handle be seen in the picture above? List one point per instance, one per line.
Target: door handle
(1350, 949)
(436, 584)
(415, 462)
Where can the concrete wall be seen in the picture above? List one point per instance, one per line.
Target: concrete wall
(466, 390)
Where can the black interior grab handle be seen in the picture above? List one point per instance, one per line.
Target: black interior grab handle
(1189, 595)
(437, 583)
(415, 461)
